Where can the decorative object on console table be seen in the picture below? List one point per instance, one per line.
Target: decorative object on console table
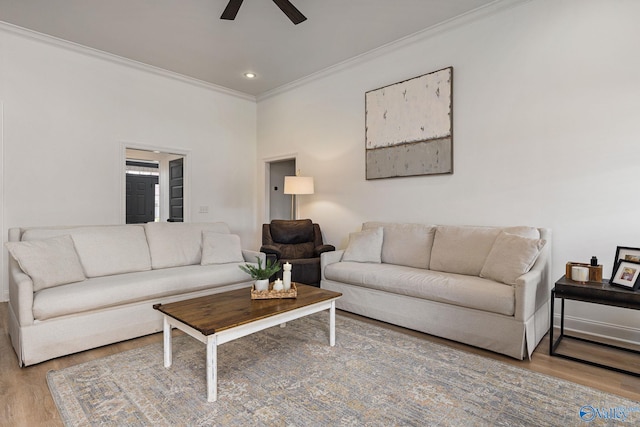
(595, 272)
(626, 274)
(409, 127)
(580, 274)
(626, 253)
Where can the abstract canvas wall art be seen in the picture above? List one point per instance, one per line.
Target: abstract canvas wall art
(409, 127)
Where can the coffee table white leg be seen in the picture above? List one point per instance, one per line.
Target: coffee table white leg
(167, 343)
(332, 324)
(212, 368)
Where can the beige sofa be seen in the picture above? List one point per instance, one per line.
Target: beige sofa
(76, 288)
(484, 286)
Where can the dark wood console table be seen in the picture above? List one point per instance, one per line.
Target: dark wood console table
(595, 293)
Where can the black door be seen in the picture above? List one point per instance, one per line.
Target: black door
(176, 190)
(141, 197)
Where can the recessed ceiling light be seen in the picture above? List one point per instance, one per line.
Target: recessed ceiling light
(250, 75)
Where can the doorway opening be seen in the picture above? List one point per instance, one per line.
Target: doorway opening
(143, 191)
(279, 204)
(154, 188)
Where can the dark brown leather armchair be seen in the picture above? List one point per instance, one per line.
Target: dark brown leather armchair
(298, 242)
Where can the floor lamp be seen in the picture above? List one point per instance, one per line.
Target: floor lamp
(295, 185)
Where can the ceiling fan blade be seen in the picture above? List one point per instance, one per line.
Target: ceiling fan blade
(291, 11)
(231, 10)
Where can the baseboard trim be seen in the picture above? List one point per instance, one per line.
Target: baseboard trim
(622, 334)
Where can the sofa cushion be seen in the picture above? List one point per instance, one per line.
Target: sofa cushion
(510, 257)
(112, 250)
(104, 250)
(461, 249)
(364, 246)
(220, 248)
(405, 244)
(461, 290)
(292, 231)
(173, 244)
(110, 291)
(49, 262)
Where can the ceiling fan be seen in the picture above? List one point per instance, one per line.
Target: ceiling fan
(290, 10)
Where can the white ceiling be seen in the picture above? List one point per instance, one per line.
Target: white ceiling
(188, 37)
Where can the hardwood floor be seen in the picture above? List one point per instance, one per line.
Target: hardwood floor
(26, 400)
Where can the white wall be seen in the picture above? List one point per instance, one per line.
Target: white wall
(546, 133)
(67, 114)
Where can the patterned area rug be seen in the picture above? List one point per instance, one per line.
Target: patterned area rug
(291, 377)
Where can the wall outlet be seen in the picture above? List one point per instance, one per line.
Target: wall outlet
(204, 209)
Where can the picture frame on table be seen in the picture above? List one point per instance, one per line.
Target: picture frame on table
(626, 274)
(626, 253)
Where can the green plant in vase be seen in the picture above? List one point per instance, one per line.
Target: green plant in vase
(261, 274)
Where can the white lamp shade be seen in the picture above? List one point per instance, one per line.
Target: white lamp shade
(298, 185)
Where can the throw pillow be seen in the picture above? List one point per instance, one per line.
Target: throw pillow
(364, 246)
(220, 248)
(510, 257)
(49, 262)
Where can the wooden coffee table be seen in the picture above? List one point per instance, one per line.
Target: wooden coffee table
(220, 318)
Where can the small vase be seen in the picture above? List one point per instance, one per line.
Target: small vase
(262, 285)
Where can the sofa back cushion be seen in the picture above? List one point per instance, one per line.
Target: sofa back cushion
(461, 249)
(297, 251)
(405, 244)
(292, 232)
(220, 248)
(103, 250)
(464, 249)
(174, 244)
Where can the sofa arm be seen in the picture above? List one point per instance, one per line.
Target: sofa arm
(21, 295)
(533, 289)
(327, 258)
(528, 291)
(250, 256)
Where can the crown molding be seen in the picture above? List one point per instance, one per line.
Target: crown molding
(451, 24)
(437, 29)
(140, 66)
